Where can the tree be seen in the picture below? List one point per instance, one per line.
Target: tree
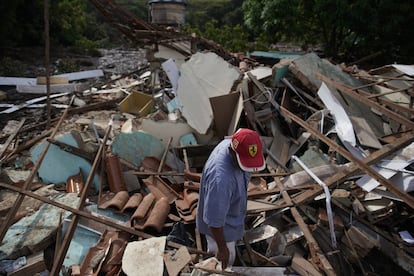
(22, 22)
(345, 28)
(224, 12)
(67, 22)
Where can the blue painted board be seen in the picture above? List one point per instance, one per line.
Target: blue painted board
(58, 164)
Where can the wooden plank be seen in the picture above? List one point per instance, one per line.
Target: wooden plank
(303, 267)
(317, 256)
(9, 157)
(53, 80)
(349, 91)
(312, 243)
(409, 200)
(354, 169)
(164, 155)
(34, 264)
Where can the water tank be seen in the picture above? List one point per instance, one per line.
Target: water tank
(167, 12)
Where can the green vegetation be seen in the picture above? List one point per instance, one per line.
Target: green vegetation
(346, 30)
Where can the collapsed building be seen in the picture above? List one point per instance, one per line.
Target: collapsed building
(112, 187)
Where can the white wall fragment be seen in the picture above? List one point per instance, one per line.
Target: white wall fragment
(205, 75)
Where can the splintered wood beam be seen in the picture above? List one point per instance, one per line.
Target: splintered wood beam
(11, 138)
(402, 109)
(312, 243)
(378, 98)
(8, 158)
(362, 98)
(27, 184)
(360, 164)
(164, 155)
(317, 256)
(403, 90)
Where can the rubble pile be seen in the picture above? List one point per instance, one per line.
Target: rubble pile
(108, 183)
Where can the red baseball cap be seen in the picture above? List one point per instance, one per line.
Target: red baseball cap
(249, 150)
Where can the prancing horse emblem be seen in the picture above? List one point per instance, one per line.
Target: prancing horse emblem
(252, 150)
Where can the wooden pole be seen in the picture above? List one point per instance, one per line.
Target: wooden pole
(47, 59)
(57, 263)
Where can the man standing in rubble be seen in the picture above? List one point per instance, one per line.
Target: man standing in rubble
(223, 192)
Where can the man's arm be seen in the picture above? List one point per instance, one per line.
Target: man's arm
(222, 250)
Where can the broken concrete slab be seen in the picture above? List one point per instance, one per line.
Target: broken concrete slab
(135, 146)
(35, 232)
(144, 257)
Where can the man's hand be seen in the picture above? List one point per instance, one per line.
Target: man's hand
(223, 253)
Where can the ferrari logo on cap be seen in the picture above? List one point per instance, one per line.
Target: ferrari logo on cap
(252, 150)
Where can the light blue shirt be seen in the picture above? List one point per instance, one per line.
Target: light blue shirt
(223, 194)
